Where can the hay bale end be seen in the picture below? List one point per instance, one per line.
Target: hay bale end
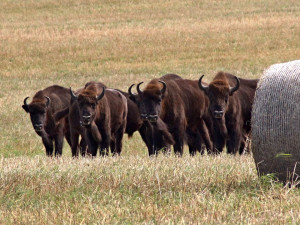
(276, 122)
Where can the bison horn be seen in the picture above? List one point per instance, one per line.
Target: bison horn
(138, 88)
(129, 90)
(48, 101)
(73, 96)
(25, 101)
(101, 95)
(203, 88)
(233, 89)
(163, 90)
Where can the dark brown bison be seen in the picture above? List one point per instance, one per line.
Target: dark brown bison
(155, 137)
(231, 100)
(102, 112)
(41, 109)
(180, 105)
(76, 129)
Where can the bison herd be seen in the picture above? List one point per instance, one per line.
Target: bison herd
(168, 111)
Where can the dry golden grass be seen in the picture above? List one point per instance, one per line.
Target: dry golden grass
(69, 43)
(135, 189)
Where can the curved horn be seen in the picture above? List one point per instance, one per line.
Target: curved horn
(163, 90)
(48, 101)
(138, 88)
(101, 95)
(203, 88)
(129, 90)
(233, 89)
(25, 101)
(73, 96)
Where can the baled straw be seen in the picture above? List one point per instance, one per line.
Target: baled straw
(276, 122)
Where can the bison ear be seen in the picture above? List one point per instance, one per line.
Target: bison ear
(201, 86)
(101, 95)
(236, 87)
(73, 96)
(25, 106)
(163, 90)
(132, 98)
(48, 101)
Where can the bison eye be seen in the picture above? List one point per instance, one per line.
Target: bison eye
(93, 105)
(226, 100)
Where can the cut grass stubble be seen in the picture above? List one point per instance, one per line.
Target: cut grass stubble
(119, 43)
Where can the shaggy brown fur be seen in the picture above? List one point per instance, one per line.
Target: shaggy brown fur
(42, 119)
(146, 130)
(76, 130)
(232, 109)
(104, 119)
(153, 89)
(182, 107)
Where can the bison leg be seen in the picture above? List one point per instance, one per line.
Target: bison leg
(47, 141)
(83, 146)
(59, 140)
(103, 152)
(192, 141)
(219, 140)
(113, 146)
(178, 146)
(74, 143)
(92, 144)
(233, 144)
(67, 133)
(104, 146)
(119, 138)
(146, 134)
(143, 131)
(204, 132)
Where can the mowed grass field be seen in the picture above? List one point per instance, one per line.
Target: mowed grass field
(71, 42)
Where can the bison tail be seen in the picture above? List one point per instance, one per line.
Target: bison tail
(61, 114)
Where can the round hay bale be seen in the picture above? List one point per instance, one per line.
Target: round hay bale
(276, 122)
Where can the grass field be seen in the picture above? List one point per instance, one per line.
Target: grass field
(71, 42)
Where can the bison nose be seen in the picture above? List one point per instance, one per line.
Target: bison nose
(153, 118)
(218, 114)
(86, 117)
(38, 127)
(86, 120)
(144, 116)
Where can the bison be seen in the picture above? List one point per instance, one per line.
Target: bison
(102, 112)
(154, 136)
(76, 129)
(44, 105)
(180, 105)
(231, 100)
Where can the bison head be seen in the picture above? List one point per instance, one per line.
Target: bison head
(37, 110)
(218, 93)
(87, 101)
(149, 100)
